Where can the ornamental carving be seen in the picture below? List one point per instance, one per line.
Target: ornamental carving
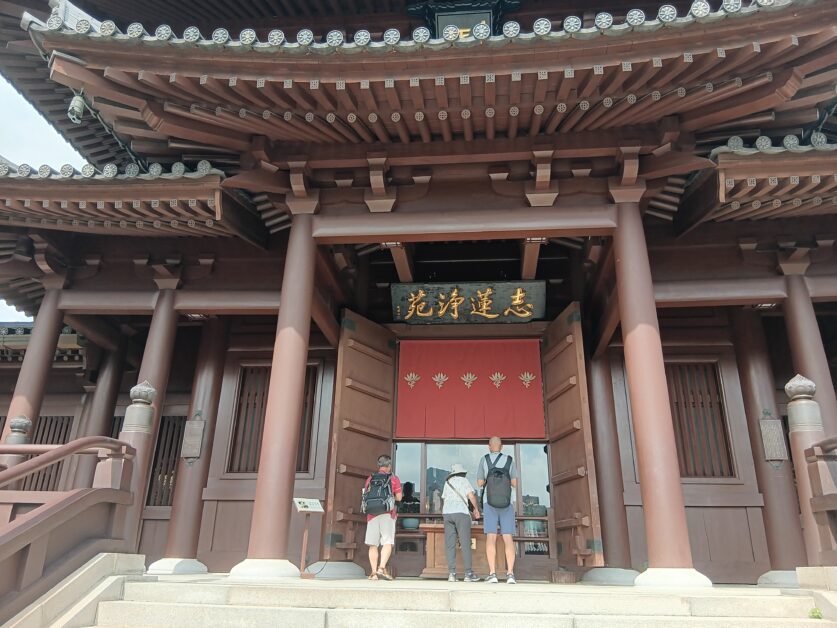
(469, 379)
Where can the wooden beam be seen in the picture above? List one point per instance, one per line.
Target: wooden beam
(328, 275)
(403, 261)
(511, 223)
(259, 181)
(701, 198)
(586, 144)
(324, 318)
(241, 220)
(529, 261)
(607, 324)
(671, 163)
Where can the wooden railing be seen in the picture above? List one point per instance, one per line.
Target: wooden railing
(46, 535)
(822, 469)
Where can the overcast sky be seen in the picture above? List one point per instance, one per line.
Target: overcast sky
(26, 138)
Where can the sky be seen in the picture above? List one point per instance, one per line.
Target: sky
(25, 137)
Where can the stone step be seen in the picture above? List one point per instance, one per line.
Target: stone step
(476, 598)
(154, 614)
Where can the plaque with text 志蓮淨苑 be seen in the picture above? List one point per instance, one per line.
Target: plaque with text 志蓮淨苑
(450, 303)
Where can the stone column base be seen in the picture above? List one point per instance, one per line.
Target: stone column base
(171, 566)
(336, 570)
(672, 578)
(610, 575)
(784, 579)
(264, 569)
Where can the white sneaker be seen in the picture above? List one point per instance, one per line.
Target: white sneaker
(452, 577)
(510, 579)
(472, 577)
(492, 578)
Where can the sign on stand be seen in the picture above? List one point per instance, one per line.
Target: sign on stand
(306, 506)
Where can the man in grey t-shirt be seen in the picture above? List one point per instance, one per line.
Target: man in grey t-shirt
(502, 518)
(456, 495)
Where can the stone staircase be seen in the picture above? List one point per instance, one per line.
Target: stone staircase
(214, 600)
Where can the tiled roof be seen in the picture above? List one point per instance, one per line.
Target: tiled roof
(764, 146)
(336, 41)
(109, 173)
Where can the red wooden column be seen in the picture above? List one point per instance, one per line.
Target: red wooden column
(99, 420)
(37, 363)
(142, 433)
(267, 554)
(807, 350)
(192, 472)
(609, 481)
(667, 535)
(775, 477)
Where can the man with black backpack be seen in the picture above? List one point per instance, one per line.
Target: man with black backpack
(496, 476)
(380, 494)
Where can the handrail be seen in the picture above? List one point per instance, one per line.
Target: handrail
(827, 445)
(44, 460)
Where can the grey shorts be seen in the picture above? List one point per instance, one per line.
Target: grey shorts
(493, 518)
(381, 530)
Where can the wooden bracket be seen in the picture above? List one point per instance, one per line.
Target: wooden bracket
(51, 262)
(543, 191)
(377, 197)
(628, 162)
(165, 273)
(301, 199)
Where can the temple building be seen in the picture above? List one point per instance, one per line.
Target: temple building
(312, 232)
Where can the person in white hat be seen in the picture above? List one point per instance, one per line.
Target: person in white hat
(457, 496)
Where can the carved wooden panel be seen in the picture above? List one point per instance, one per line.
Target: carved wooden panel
(572, 469)
(361, 429)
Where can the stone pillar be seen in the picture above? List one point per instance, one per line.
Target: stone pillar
(153, 374)
(192, 471)
(667, 535)
(37, 361)
(807, 350)
(806, 429)
(615, 538)
(774, 475)
(267, 554)
(99, 420)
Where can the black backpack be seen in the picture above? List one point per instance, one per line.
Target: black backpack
(498, 483)
(378, 497)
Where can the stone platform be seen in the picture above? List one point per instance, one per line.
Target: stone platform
(214, 600)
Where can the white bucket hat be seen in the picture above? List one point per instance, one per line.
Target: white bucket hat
(457, 469)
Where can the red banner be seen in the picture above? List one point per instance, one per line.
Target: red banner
(470, 389)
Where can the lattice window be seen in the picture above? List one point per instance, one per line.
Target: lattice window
(166, 455)
(49, 430)
(249, 420)
(700, 423)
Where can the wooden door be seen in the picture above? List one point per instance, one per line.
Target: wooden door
(572, 471)
(361, 429)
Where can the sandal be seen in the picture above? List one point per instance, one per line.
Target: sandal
(383, 573)
(373, 576)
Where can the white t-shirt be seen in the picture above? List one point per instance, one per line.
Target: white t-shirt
(453, 503)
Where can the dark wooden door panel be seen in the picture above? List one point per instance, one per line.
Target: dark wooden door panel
(361, 430)
(572, 473)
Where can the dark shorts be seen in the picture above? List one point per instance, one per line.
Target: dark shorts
(493, 518)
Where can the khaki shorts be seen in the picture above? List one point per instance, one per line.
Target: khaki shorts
(381, 530)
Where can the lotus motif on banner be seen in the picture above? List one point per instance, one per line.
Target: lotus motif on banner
(440, 379)
(498, 378)
(412, 379)
(527, 378)
(469, 379)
